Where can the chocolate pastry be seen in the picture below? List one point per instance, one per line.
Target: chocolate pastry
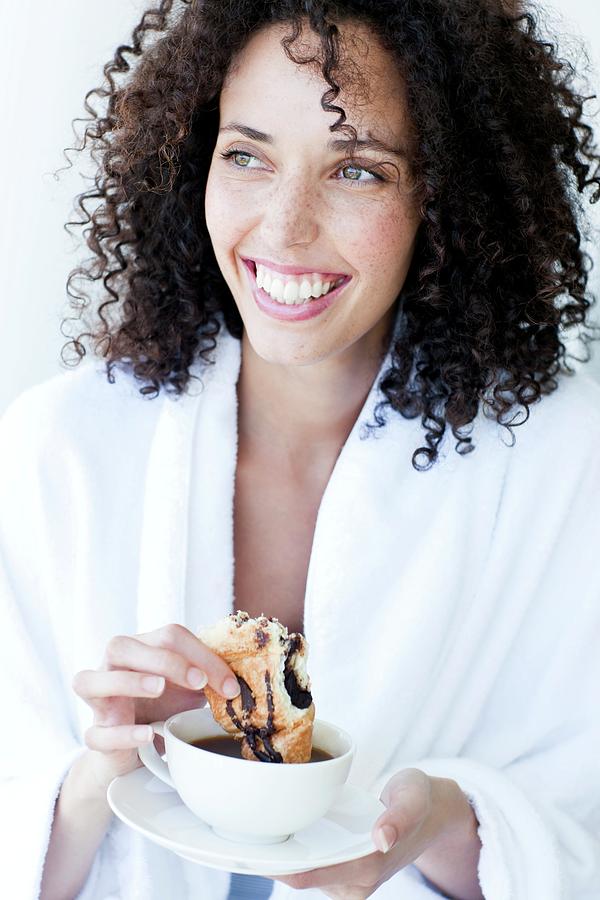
(273, 715)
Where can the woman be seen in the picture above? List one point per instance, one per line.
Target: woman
(340, 244)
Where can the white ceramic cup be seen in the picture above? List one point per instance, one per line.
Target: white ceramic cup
(243, 800)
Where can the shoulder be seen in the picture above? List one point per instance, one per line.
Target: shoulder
(74, 402)
(83, 412)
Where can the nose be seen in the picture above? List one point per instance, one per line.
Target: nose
(289, 217)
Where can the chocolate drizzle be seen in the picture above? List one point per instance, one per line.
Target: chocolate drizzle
(271, 755)
(248, 701)
(270, 704)
(252, 734)
(232, 715)
(300, 698)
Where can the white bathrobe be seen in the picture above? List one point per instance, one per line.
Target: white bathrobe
(452, 616)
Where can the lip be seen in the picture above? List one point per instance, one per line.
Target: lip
(293, 270)
(292, 312)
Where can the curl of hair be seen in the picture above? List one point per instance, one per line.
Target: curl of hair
(502, 157)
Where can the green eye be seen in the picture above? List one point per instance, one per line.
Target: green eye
(234, 155)
(355, 169)
(355, 176)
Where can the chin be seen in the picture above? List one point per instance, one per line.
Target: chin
(274, 348)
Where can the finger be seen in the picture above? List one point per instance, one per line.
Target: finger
(408, 798)
(181, 640)
(357, 873)
(117, 737)
(91, 684)
(154, 654)
(403, 782)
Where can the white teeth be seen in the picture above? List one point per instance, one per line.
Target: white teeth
(290, 291)
(276, 290)
(305, 290)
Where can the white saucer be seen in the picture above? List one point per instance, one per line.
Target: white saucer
(151, 807)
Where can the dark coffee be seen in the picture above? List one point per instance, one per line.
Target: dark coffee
(228, 746)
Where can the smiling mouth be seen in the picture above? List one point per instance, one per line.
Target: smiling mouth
(293, 290)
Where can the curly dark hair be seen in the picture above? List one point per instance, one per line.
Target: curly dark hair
(502, 156)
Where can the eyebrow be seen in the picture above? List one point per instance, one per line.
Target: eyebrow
(369, 143)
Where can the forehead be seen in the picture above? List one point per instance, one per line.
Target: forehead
(263, 80)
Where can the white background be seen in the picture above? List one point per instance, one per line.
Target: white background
(51, 54)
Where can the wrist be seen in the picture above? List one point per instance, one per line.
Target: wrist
(89, 782)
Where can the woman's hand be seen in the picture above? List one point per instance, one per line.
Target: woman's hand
(422, 812)
(143, 679)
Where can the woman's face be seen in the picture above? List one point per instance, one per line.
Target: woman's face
(293, 201)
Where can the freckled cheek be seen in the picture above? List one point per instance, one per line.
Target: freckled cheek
(228, 213)
(378, 247)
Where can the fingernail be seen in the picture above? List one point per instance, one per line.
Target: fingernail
(231, 688)
(154, 684)
(385, 838)
(196, 678)
(143, 733)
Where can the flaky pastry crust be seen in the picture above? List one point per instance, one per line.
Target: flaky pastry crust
(274, 713)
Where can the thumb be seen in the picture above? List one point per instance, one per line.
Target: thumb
(407, 796)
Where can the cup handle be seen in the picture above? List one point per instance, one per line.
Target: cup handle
(151, 759)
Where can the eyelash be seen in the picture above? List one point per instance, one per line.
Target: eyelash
(235, 151)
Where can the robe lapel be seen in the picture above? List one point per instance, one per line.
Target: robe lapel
(163, 548)
(189, 475)
(210, 574)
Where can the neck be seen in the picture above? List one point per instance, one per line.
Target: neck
(297, 418)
